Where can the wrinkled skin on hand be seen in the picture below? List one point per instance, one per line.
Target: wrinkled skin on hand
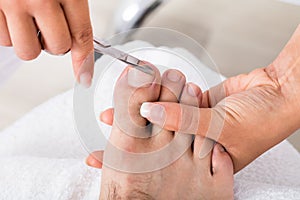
(262, 108)
(256, 110)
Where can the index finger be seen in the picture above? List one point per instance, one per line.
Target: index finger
(206, 122)
(77, 15)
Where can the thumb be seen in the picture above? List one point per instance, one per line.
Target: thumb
(206, 122)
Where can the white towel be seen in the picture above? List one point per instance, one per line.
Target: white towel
(41, 156)
(9, 62)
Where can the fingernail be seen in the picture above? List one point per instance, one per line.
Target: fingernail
(137, 78)
(173, 76)
(145, 110)
(154, 112)
(193, 92)
(85, 79)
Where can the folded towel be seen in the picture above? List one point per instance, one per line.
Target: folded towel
(41, 156)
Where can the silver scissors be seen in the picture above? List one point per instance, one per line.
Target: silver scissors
(103, 47)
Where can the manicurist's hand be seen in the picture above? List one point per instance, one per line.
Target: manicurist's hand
(63, 24)
(247, 114)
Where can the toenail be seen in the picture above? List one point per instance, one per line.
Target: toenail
(213, 169)
(221, 148)
(173, 75)
(137, 78)
(192, 91)
(154, 112)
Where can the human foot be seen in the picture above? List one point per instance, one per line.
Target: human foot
(185, 177)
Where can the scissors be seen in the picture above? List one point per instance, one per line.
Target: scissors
(103, 47)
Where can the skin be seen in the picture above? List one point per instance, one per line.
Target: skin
(256, 110)
(64, 24)
(261, 108)
(189, 177)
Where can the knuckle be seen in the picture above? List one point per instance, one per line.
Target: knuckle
(36, 5)
(84, 36)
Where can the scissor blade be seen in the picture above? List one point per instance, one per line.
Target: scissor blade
(122, 56)
(113, 52)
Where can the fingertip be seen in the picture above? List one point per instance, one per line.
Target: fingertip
(85, 79)
(28, 55)
(107, 116)
(154, 112)
(83, 68)
(95, 159)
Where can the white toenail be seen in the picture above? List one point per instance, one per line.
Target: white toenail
(136, 78)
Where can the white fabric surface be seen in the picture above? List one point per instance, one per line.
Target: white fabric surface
(9, 62)
(41, 157)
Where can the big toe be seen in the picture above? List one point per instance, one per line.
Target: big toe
(130, 134)
(133, 88)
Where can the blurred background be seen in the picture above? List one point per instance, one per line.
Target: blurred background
(239, 35)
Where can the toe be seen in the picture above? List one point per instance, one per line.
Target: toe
(221, 163)
(107, 116)
(172, 84)
(129, 129)
(95, 159)
(191, 95)
(132, 89)
(222, 169)
(201, 149)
